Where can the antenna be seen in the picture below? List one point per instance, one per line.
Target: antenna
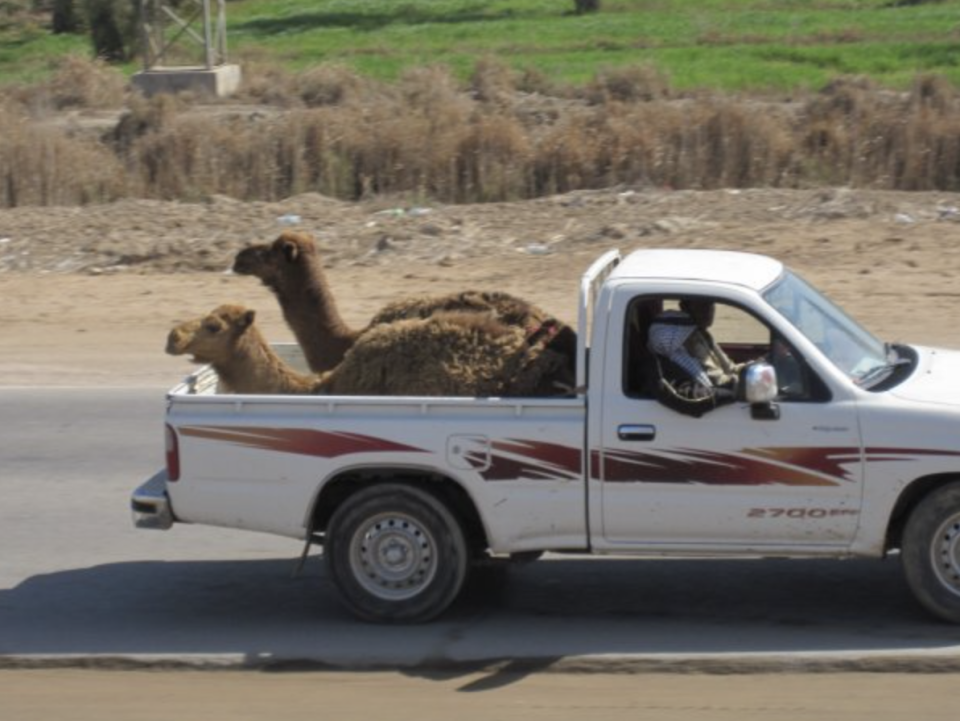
(184, 47)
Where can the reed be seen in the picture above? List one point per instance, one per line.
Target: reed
(498, 135)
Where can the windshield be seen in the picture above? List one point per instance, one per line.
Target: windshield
(849, 346)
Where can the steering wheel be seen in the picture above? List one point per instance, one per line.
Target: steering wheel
(787, 366)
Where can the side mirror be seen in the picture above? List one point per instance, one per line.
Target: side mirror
(760, 381)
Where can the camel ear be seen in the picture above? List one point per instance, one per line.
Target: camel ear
(246, 320)
(290, 251)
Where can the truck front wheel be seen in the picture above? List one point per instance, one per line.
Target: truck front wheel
(931, 552)
(396, 554)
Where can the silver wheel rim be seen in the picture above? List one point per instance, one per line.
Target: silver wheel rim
(393, 556)
(945, 554)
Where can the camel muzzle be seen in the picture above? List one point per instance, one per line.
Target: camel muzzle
(248, 260)
(176, 343)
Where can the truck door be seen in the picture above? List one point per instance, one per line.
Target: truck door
(731, 479)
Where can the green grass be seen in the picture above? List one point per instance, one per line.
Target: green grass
(733, 45)
(31, 55)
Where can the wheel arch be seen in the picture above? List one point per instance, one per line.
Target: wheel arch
(447, 489)
(915, 492)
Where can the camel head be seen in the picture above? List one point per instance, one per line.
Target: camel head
(272, 262)
(211, 338)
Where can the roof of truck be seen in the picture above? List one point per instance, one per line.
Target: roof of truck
(712, 266)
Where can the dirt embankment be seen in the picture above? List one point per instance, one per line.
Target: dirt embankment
(90, 292)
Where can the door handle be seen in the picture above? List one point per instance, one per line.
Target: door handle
(636, 432)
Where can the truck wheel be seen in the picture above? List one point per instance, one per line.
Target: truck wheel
(931, 552)
(396, 554)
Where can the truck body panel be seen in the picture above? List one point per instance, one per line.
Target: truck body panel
(275, 454)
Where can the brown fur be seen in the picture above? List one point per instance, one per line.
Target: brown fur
(447, 354)
(227, 339)
(291, 267)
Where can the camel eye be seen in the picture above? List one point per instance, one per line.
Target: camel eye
(211, 328)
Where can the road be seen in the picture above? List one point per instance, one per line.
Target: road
(78, 582)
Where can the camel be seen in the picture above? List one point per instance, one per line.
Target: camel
(446, 354)
(227, 339)
(291, 268)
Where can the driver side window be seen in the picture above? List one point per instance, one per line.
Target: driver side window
(739, 337)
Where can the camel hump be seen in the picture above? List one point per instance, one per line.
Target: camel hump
(447, 325)
(508, 308)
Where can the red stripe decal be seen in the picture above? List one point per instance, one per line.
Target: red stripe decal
(805, 466)
(751, 467)
(512, 459)
(298, 440)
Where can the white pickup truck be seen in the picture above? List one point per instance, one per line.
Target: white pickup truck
(853, 450)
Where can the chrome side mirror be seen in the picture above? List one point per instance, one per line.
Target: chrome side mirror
(760, 380)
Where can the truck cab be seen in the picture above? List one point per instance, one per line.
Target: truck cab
(741, 479)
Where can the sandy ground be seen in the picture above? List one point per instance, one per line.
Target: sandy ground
(89, 294)
(213, 696)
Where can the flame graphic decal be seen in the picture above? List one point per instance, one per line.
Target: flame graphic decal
(749, 467)
(512, 458)
(801, 466)
(537, 460)
(298, 440)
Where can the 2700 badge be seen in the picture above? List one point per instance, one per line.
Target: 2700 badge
(800, 512)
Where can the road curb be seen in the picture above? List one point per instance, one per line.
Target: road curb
(924, 663)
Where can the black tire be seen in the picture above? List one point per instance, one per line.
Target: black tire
(931, 552)
(396, 554)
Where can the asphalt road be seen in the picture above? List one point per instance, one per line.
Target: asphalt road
(80, 586)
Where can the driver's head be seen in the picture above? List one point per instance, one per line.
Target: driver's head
(700, 309)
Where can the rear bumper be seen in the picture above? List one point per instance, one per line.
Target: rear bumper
(151, 504)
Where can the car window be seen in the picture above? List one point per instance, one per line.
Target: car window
(741, 336)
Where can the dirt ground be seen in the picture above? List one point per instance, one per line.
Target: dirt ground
(89, 293)
(216, 696)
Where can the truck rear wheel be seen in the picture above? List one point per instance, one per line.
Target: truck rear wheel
(931, 552)
(396, 554)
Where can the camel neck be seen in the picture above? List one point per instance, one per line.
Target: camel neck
(311, 312)
(254, 367)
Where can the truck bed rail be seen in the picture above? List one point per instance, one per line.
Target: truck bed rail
(590, 285)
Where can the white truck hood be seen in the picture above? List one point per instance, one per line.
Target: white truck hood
(936, 379)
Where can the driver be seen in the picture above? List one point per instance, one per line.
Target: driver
(722, 371)
(695, 374)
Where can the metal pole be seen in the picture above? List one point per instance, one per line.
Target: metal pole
(222, 31)
(207, 36)
(145, 35)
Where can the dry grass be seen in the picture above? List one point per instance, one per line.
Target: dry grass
(79, 82)
(499, 137)
(40, 165)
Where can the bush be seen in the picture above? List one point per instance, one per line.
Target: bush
(67, 17)
(586, 6)
(83, 83)
(113, 28)
(40, 165)
(631, 83)
(18, 16)
(491, 139)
